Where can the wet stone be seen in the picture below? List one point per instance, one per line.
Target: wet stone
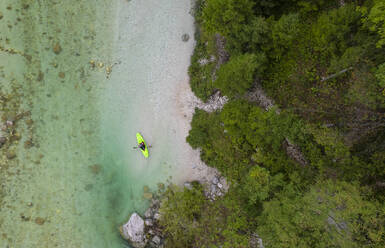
(3, 140)
(147, 195)
(29, 122)
(28, 144)
(24, 218)
(88, 187)
(57, 48)
(185, 37)
(39, 220)
(148, 214)
(40, 76)
(149, 222)
(157, 216)
(95, 169)
(15, 137)
(161, 186)
(11, 154)
(146, 189)
(215, 180)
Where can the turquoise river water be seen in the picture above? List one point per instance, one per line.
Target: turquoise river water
(75, 76)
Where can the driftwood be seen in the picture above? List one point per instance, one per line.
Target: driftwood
(336, 74)
(222, 55)
(258, 96)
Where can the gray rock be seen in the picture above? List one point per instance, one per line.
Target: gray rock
(215, 180)
(256, 241)
(220, 185)
(3, 127)
(155, 203)
(185, 37)
(188, 185)
(133, 231)
(213, 188)
(11, 154)
(149, 222)
(222, 180)
(148, 214)
(157, 216)
(3, 140)
(214, 103)
(9, 123)
(156, 240)
(203, 61)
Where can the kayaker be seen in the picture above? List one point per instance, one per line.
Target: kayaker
(142, 146)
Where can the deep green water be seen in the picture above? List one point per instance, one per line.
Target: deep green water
(68, 174)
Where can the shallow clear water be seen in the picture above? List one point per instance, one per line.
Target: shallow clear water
(75, 177)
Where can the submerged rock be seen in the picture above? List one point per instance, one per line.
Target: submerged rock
(147, 195)
(39, 220)
(95, 168)
(11, 154)
(3, 140)
(40, 76)
(133, 231)
(146, 189)
(185, 37)
(56, 48)
(61, 74)
(161, 186)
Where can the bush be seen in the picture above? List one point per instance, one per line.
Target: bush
(237, 76)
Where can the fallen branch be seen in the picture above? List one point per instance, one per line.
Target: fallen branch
(336, 74)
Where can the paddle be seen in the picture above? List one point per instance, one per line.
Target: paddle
(135, 147)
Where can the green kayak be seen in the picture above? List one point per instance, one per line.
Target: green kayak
(140, 140)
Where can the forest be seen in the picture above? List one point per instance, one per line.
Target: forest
(308, 171)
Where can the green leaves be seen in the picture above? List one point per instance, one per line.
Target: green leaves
(284, 32)
(227, 16)
(380, 75)
(330, 214)
(236, 76)
(290, 46)
(180, 209)
(191, 221)
(376, 20)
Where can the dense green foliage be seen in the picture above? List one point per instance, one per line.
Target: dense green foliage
(219, 222)
(376, 19)
(309, 172)
(330, 214)
(236, 76)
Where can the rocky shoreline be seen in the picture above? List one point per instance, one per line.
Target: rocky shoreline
(145, 231)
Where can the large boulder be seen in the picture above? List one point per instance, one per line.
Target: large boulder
(133, 231)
